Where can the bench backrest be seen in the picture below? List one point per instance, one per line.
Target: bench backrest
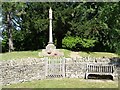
(100, 68)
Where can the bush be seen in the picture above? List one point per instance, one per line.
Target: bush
(77, 43)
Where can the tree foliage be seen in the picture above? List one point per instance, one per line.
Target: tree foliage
(89, 26)
(77, 43)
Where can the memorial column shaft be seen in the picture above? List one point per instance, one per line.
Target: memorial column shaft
(50, 32)
(50, 27)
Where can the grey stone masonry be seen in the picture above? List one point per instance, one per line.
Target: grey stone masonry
(28, 69)
(76, 68)
(15, 71)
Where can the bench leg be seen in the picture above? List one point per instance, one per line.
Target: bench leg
(86, 76)
(114, 78)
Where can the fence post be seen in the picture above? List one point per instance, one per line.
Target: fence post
(46, 66)
(63, 67)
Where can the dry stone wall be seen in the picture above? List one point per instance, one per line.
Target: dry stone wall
(28, 69)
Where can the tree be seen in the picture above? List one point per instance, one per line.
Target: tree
(35, 26)
(91, 26)
(10, 13)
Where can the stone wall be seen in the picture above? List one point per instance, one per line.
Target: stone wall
(15, 71)
(76, 67)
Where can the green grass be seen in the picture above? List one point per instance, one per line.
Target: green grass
(97, 54)
(90, 54)
(18, 55)
(65, 83)
(66, 52)
(26, 54)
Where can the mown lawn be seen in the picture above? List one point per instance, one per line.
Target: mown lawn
(98, 54)
(19, 55)
(26, 54)
(66, 83)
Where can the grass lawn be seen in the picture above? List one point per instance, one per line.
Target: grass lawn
(18, 55)
(26, 54)
(66, 83)
(66, 52)
(98, 54)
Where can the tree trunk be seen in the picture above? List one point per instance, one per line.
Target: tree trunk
(11, 48)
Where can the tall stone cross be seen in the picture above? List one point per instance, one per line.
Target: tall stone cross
(50, 27)
(50, 45)
(51, 48)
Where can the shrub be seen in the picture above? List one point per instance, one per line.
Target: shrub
(72, 43)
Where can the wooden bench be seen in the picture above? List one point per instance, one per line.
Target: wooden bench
(99, 69)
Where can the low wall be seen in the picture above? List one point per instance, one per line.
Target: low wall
(15, 71)
(76, 67)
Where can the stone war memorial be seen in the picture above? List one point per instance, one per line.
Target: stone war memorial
(51, 48)
(53, 64)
